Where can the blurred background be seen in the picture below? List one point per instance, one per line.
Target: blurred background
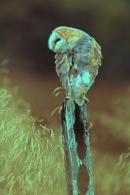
(25, 27)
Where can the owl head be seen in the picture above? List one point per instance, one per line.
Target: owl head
(64, 39)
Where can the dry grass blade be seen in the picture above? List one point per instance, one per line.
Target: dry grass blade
(57, 91)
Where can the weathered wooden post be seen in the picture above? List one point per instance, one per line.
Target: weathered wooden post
(76, 143)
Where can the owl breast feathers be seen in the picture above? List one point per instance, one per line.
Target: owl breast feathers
(78, 57)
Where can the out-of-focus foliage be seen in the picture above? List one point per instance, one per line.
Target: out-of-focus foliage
(110, 136)
(124, 164)
(29, 152)
(26, 25)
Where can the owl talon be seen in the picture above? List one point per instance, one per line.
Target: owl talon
(87, 100)
(67, 98)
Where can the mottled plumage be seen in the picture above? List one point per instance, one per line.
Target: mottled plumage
(78, 57)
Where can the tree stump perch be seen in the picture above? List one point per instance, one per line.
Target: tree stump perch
(75, 136)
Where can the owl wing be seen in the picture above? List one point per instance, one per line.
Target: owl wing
(87, 57)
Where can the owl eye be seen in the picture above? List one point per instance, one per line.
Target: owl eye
(58, 39)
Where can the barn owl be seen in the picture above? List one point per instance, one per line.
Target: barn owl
(78, 57)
